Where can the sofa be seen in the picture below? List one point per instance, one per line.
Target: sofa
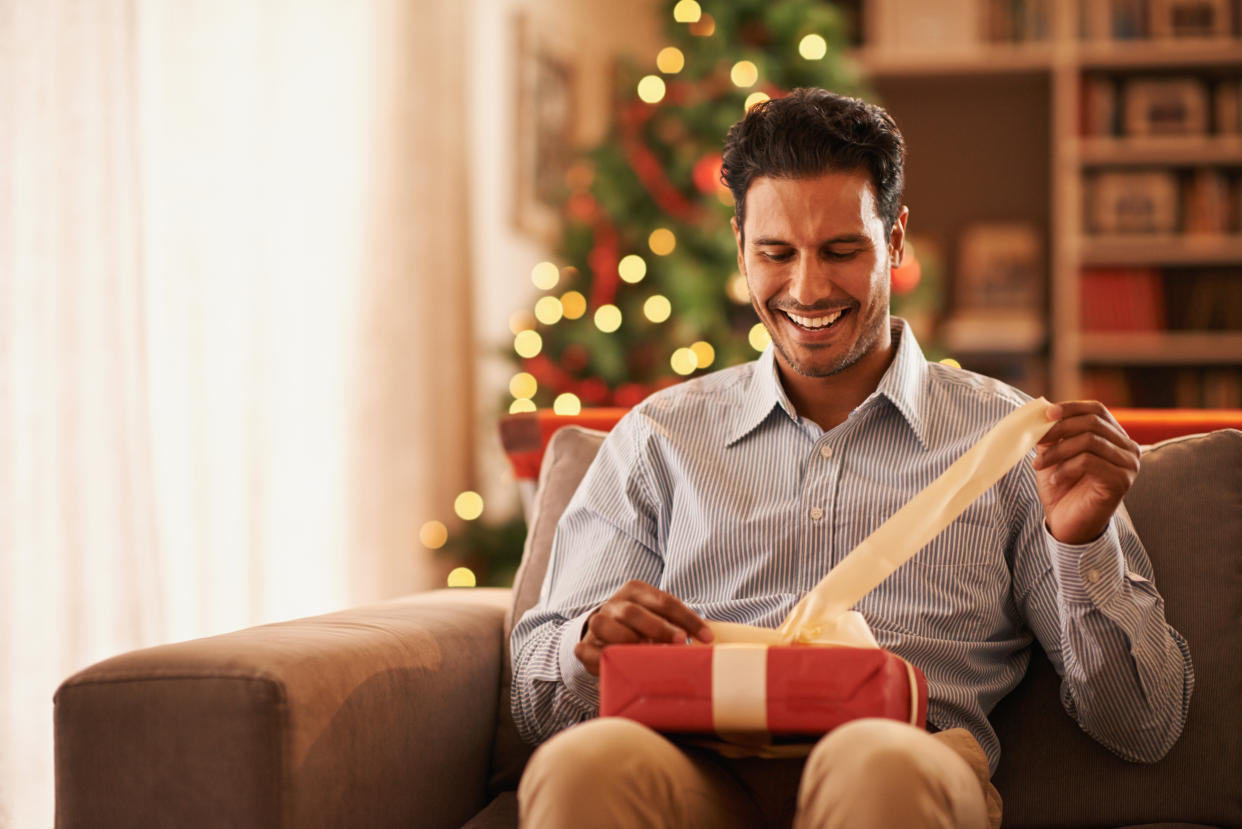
(396, 714)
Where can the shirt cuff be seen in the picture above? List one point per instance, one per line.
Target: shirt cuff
(1088, 573)
(578, 680)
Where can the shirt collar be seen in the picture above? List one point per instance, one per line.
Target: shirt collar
(903, 385)
(761, 394)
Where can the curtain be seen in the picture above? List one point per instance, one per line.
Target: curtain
(234, 329)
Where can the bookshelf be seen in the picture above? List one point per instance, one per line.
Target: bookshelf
(1118, 138)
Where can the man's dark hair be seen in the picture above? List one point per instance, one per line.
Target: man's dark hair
(809, 132)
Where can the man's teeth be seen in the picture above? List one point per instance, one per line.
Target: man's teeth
(816, 322)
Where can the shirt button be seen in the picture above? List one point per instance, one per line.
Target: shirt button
(816, 513)
(1093, 575)
(825, 451)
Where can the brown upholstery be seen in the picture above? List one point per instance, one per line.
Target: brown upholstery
(397, 715)
(378, 716)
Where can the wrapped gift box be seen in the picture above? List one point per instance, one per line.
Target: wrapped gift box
(793, 690)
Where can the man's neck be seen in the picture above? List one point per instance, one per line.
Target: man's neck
(829, 400)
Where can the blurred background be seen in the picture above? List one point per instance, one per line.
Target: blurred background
(272, 272)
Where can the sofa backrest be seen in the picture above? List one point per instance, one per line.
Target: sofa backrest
(1187, 507)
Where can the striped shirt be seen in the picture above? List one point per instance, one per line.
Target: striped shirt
(716, 491)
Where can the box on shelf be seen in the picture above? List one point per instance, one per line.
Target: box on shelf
(777, 690)
(1167, 106)
(1190, 18)
(1132, 202)
(1126, 299)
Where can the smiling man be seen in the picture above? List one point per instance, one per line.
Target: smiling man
(728, 498)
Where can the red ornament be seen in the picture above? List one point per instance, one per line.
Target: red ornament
(629, 395)
(707, 173)
(906, 276)
(593, 391)
(575, 357)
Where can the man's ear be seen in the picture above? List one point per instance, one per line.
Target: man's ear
(737, 238)
(897, 238)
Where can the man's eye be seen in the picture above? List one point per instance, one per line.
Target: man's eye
(841, 255)
(776, 256)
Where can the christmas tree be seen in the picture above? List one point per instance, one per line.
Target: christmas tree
(644, 290)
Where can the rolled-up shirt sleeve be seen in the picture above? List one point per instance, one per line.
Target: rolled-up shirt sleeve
(606, 537)
(1126, 674)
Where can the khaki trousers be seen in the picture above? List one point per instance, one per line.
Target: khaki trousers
(868, 773)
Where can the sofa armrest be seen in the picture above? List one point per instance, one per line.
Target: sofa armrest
(375, 716)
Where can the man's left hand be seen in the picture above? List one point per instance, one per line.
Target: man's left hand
(1083, 467)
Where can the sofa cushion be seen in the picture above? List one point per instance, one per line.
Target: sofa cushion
(569, 453)
(1187, 508)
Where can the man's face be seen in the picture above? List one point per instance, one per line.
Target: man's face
(817, 262)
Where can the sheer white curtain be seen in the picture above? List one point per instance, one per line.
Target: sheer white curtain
(232, 314)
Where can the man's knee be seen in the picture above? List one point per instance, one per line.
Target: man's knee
(590, 751)
(872, 772)
(602, 765)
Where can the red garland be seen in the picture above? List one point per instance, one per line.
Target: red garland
(603, 260)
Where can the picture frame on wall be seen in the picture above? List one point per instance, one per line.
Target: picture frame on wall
(544, 141)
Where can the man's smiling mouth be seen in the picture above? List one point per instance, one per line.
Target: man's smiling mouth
(817, 323)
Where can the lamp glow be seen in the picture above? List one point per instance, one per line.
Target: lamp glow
(670, 60)
(607, 318)
(657, 308)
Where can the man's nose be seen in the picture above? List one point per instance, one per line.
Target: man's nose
(810, 281)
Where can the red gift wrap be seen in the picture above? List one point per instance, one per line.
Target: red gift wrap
(802, 690)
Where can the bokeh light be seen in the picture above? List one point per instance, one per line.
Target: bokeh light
(521, 321)
(737, 289)
(468, 505)
(687, 11)
(548, 310)
(704, 354)
(657, 308)
(705, 26)
(758, 337)
(949, 361)
(756, 98)
(651, 89)
(813, 47)
(632, 268)
(662, 241)
(683, 361)
(523, 384)
(608, 318)
(671, 60)
(461, 577)
(522, 405)
(527, 343)
(567, 404)
(432, 535)
(744, 73)
(573, 305)
(545, 275)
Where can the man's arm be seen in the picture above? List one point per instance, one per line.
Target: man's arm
(598, 591)
(1126, 675)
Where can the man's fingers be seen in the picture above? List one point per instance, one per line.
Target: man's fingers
(1048, 455)
(1076, 417)
(668, 607)
(625, 622)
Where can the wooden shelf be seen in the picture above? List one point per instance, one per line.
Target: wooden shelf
(1161, 249)
(1162, 348)
(977, 59)
(1141, 55)
(1189, 151)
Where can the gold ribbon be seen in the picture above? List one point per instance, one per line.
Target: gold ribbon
(823, 616)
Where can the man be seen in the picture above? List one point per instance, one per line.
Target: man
(728, 497)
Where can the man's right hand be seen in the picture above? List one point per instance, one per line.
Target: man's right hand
(638, 612)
